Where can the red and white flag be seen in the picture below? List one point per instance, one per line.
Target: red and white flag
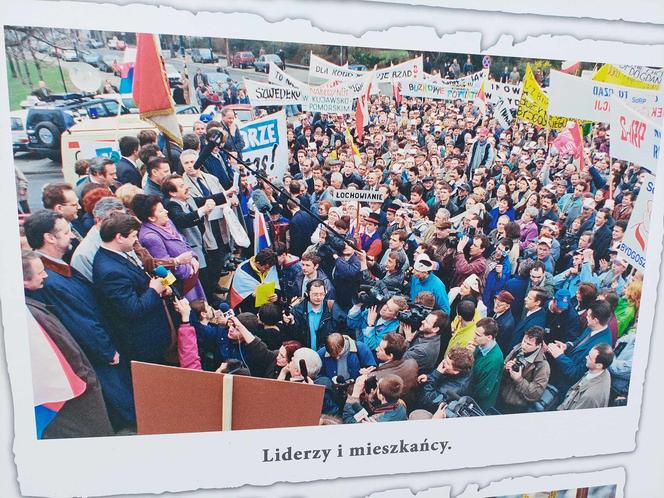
(362, 106)
(570, 67)
(151, 90)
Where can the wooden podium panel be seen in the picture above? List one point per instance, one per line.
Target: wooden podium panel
(173, 400)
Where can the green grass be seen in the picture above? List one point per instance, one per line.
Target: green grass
(18, 91)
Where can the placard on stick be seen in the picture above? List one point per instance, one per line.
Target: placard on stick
(173, 400)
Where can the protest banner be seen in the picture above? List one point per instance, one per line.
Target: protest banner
(330, 99)
(510, 94)
(409, 69)
(634, 138)
(534, 103)
(320, 68)
(609, 73)
(266, 145)
(428, 89)
(279, 77)
(358, 195)
(503, 113)
(267, 94)
(581, 98)
(633, 245)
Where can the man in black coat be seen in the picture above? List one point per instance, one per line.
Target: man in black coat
(504, 318)
(601, 236)
(127, 171)
(301, 227)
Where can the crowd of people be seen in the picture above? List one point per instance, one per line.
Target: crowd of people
(487, 281)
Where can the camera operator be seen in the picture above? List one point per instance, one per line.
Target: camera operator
(371, 325)
(424, 344)
(389, 277)
(375, 401)
(314, 318)
(474, 263)
(424, 280)
(452, 375)
(526, 374)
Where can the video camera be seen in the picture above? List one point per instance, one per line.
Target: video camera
(462, 406)
(371, 295)
(414, 315)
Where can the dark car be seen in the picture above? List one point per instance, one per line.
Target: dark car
(243, 59)
(90, 58)
(263, 63)
(95, 43)
(203, 56)
(358, 67)
(44, 124)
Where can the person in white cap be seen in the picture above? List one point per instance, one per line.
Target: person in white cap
(424, 280)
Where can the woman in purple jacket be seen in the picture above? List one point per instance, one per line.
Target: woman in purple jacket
(160, 237)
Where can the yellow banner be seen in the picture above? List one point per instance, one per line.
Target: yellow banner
(534, 105)
(611, 74)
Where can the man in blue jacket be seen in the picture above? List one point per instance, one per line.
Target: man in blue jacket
(569, 360)
(535, 316)
(130, 301)
(424, 280)
(343, 356)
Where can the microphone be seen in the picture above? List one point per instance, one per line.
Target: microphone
(167, 279)
(360, 413)
(261, 203)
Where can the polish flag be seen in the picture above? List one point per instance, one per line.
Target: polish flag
(570, 67)
(151, 90)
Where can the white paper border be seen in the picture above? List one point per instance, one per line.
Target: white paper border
(182, 462)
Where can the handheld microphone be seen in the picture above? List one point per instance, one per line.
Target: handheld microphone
(215, 139)
(167, 279)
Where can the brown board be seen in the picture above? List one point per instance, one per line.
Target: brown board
(173, 400)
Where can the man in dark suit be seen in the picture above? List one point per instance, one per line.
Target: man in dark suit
(534, 316)
(601, 236)
(199, 78)
(504, 318)
(130, 301)
(127, 170)
(301, 227)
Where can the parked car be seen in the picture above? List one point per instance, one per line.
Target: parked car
(91, 58)
(217, 81)
(45, 124)
(92, 43)
(263, 63)
(19, 135)
(70, 55)
(243, 112)
(243, 59)
(109, 64)
(173, 75)
(187, 109)
(203, 56)
(358, 67)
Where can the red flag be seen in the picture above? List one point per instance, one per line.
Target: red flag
(570, 67)
(151, 90)
(396, 88)
(362, 111)
(570, 141)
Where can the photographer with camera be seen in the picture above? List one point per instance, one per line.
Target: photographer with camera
(526, 374)
(374, 400)
(386, 278)
(371, 325)
(452, 375)
(424, 344)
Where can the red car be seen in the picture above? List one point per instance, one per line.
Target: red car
(243, 59)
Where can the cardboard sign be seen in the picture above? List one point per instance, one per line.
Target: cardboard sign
(173, 400)
(633, 245)
(358, 195)
(266, 144)
(634, 137)
(580, 98)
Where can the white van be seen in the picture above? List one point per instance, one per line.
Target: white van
(97, 137)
